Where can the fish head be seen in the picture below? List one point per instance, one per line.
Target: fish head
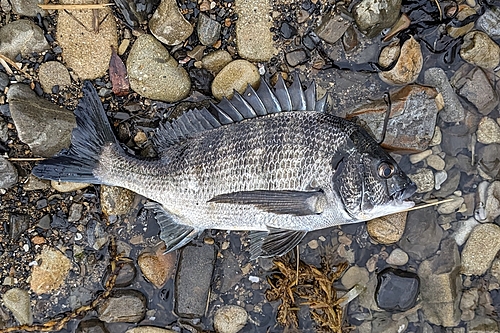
(371, 184)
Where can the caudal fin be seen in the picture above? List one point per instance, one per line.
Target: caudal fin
(91, 134)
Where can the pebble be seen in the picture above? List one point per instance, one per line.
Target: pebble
(91, 326)
(422, 235)
(453, 109)
(489, 22)
(157, 266)
(451, 206)
(495, 269)
(18, 302)
(397, 290)
(154, 74)
(464, 12)
(123, 306)
(51, 273)
(208, 30)
(168, 25)
(482, 324)
(149, 329)
(230, 319)
(116, 200)
(85, 51)
(21, 37)
(235, 76)
(75, 212)
(415, 158)
(332, 27)
(8, 174)
(254, 39)
(53, 73)
(355, 275)
(468, 304)
(450, 184)
(216, 61)
(424, 179)
(296, 57)
(492, 204)
(481, 248)
(313, 244)
(64, 187)
(374, 16)
(397, 257)
(408, 66)
(18, 223)
(33, 183)
(194, 276)
(439, 178)
(43, 126)
(436, 162)
(480, 50)
(436, 138)
(387, 229)
(488, 131)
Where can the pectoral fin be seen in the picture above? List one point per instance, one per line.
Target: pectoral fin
(275, 242)
(172, 231)
(297, 203)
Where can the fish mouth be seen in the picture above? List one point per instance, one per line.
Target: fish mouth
(404, 193)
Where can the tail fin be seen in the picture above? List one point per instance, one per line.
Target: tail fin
(91, 134)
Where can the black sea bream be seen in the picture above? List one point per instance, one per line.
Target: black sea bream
(272, 162)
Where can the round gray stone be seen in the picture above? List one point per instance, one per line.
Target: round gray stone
(53, 73)
(21, 37)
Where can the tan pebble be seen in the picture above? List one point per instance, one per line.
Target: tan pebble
(51, 273)
(387, 229)
(313, 244)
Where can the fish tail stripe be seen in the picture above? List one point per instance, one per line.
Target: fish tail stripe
(93, 132)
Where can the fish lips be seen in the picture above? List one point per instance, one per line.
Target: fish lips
(401, 193)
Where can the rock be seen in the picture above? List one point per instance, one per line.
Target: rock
(463, 230)
(424, 179)
(235, 76)
(495, 269)
(149, 329)
(480, 50)
(482, 325)
(474, 85)
(488, 131)
(453, 109)
(441, 286)
(8, 174)
(136, 13)
(35, 183)
(383, 323)
(216, 61)
(91, 326)
(296, 57)
(415, 158)
(469, 303)
(18, 302)
(422, 235)
(194, 275)
(454, 143)
(116, 200)
(397, 257)
(67, 186)
(168, 25)
(86, 51)
(231, 272)
(374, 16)
(414, 106)
(123, 306)
(43, 126)
(53, 73)
(355, 275)
(27, 7)
(464, 12)
(230, 319)
(489, 22)
(439, 178)
(254, 39)
(332, 27)
(75, 212)
(157, 266)
(387, 229)
(52, 271)
(408, 66)
(450, 185)
(208, 30)
(126, 275)
(492, 205)
(397, 290)
(436, 162)
(436, 138)
(154, 74)
(481, 248)
(451, 206)
(18, 223)
(21, 37)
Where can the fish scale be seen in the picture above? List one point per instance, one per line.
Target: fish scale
(278, 170)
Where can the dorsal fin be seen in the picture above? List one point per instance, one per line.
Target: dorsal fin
(248, 105)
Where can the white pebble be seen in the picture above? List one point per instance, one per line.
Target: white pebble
(439, 178)
(397, 257)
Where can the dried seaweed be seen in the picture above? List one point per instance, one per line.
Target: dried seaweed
(307, 285)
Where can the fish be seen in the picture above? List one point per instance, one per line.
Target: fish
(271, 161)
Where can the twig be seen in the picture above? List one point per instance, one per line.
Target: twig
(75, 7)
(429, 204)
(25, 159)
(13, 64)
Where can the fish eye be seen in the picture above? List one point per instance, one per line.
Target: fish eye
(385, 170)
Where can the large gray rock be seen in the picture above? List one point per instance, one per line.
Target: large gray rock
(373, 16)
(21, 37)
(127, 306)
(168, 25)
(481, 248)
(441, 286)
(8, 173)
(489, 22)
(154, 74)
(254, 39)
(194, 275)
(27, 7)
(43, 126)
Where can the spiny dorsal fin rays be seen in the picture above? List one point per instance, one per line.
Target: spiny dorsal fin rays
(281, 92)
(253, 99)
(310, 96)
(242, 105)
(321, 104)
(297, 95)
(266, 95)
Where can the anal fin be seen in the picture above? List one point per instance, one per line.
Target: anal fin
(275, 242)
(172, 231)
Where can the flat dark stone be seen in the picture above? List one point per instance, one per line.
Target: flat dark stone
(397, 290)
